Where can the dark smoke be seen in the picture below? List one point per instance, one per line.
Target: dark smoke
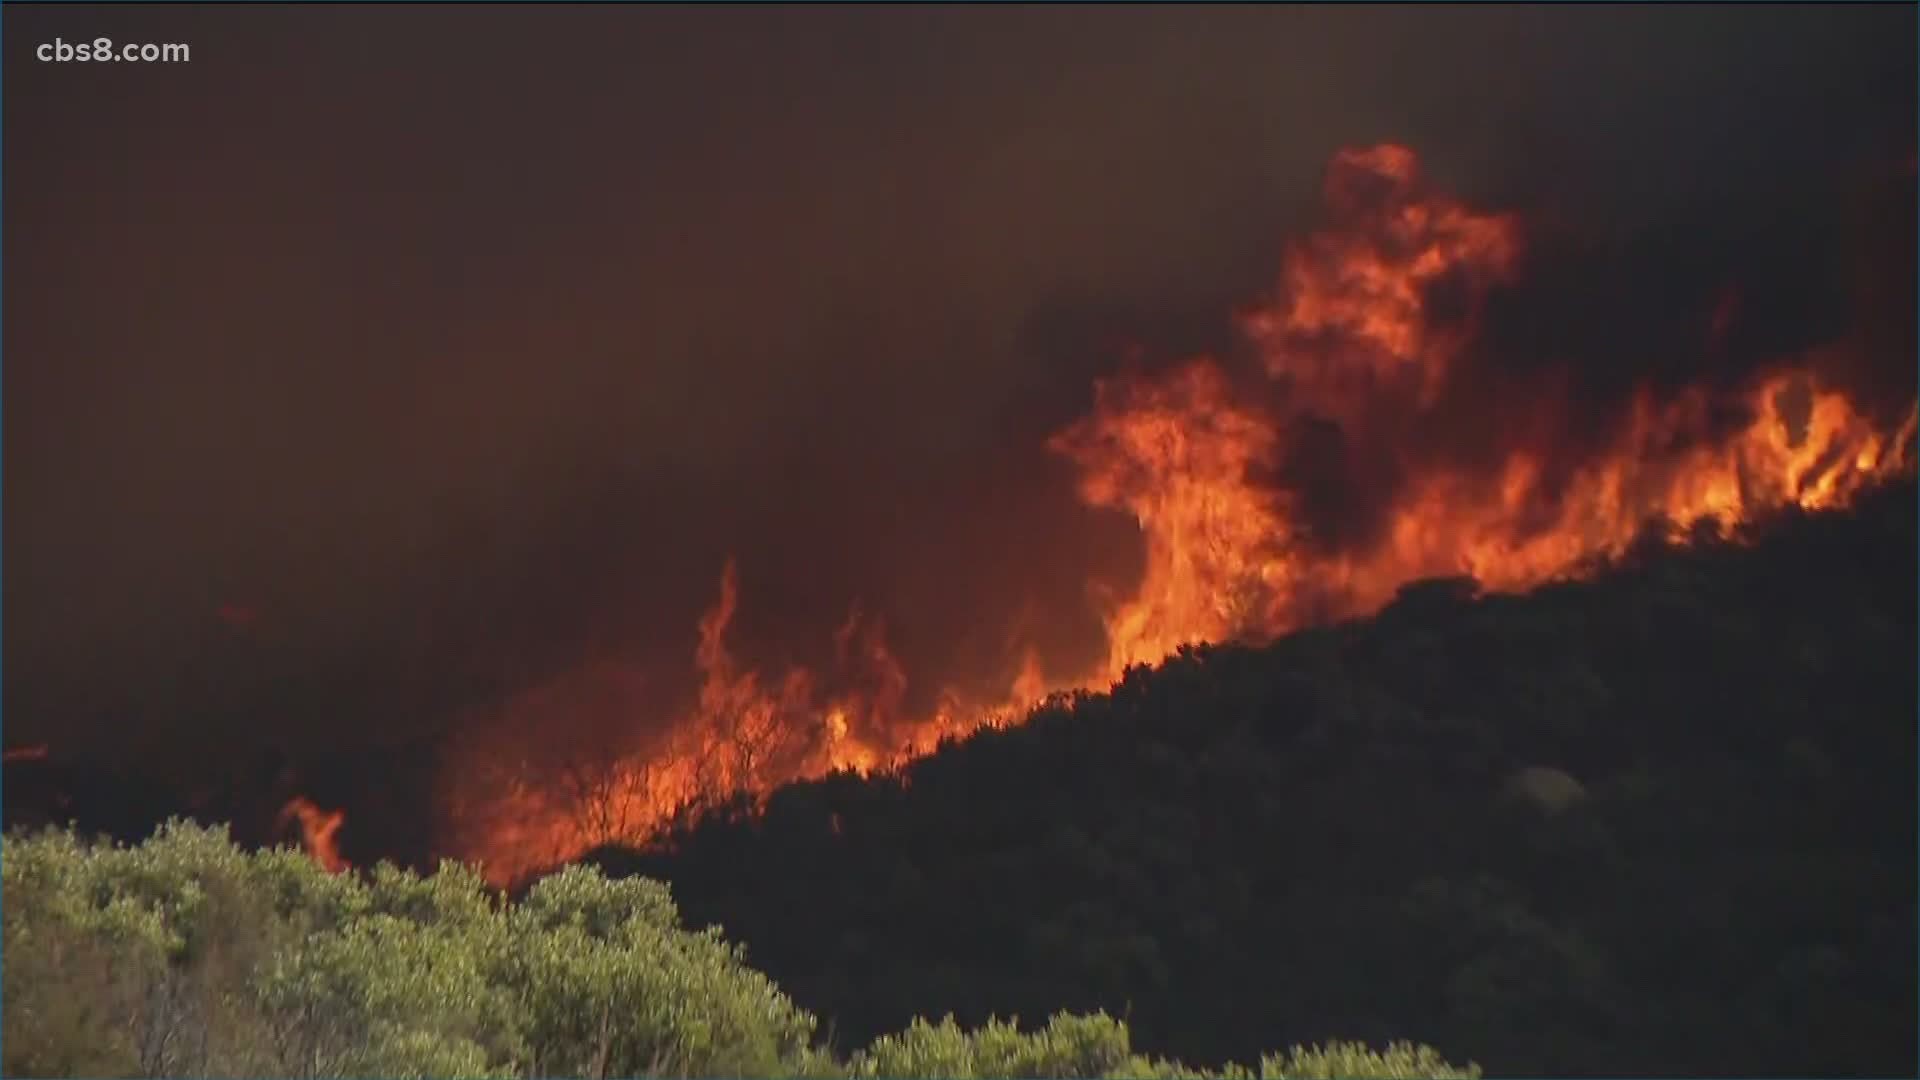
(460, 348)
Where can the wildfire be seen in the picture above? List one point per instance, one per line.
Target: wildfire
(318, 831)
(1350, 323)
(1177, 454)
(1361, 343)
(744, 735)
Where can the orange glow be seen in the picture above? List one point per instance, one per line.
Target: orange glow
(1176, 453)
(31, 752)
(1351, 318)
(1349, 341)
(318, 831)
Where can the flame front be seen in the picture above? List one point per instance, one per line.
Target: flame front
(1361, 343)
(1176, 453)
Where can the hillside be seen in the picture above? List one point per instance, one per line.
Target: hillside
(1661, 822)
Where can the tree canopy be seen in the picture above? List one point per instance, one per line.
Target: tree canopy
(188, 956)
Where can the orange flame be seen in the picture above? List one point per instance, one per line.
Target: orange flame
(318, 831)
(1176, 454)
(1355, 295)
(1350, 337)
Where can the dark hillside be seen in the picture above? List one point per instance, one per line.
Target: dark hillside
(1662, 822)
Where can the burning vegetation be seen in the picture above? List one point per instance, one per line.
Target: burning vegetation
(318, 831)
(1307, 480)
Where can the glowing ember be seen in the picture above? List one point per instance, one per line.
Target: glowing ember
(1363, 340)
(30, 752)
(318, 829)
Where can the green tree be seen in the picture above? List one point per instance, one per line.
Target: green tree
(186, 956)
(607, 984)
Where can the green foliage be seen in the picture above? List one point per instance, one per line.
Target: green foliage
(77, 967)
(1355, 1061)
(186, 956)
(381, 996)
(607, 985)
(1098, 1046)
(1068, 1046)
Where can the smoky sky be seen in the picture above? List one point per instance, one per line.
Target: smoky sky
(445, 349)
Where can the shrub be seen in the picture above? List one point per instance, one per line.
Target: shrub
(187, 956)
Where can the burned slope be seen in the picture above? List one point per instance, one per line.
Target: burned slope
(1662, 822)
